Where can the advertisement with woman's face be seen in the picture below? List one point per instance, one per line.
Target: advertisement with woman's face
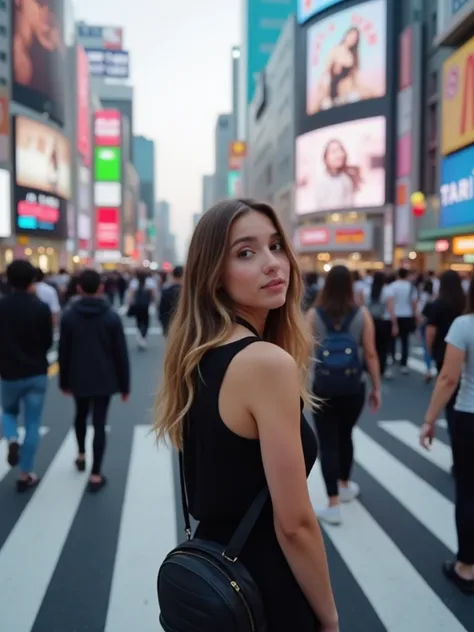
(346, 57)
(341, 167)
(39, 56)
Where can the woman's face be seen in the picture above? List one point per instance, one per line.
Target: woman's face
(351, 38)
(257, 269)
(335, 156)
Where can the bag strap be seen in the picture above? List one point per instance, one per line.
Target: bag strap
(326, 320)
(346, 323)
(248, 522)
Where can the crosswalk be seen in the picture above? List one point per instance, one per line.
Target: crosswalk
(401, 526)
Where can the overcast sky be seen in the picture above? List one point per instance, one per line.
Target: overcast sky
(181, 69)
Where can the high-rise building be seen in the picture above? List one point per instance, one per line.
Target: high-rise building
(196, 218)
(144, 161)
(166, 241)
(223, 138)
(262, 21)
(207, 192)
(235, 90)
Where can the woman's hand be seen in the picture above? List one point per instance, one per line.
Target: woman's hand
(427, 434)
(375, 400)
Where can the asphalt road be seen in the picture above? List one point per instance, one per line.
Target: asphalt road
(71, 562)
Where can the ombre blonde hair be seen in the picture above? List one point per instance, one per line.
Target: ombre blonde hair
(205, 315)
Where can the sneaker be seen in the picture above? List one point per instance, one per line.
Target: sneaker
(348, 494)
(404, 370)
(13, 453)
(388, 375)
(331, 515)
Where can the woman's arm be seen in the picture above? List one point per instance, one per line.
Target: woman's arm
(371, 358)
(272, 396)
(430, 335)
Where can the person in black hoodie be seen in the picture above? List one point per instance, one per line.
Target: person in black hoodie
(169, 299)
(26, 335)
(93, 366)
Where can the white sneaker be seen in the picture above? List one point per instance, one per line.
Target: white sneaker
(331, 515)
(348, 494)
(388, 375)
(404, 370)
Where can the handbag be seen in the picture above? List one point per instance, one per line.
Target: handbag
(203, 586)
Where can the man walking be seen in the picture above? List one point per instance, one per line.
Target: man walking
(26, 335)
(93, 366)
(169, 299)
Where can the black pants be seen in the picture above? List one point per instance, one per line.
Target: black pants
(334, 423)
(99, 406)
(462, 440)
(383, 341)
(142, 317)
(406, 326)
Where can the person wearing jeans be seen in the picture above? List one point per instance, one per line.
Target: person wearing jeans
(93, 366)
(26, 335)
(402, 302)
(458, 364)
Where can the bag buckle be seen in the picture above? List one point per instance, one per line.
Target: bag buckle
(229, 559)
(188, 534)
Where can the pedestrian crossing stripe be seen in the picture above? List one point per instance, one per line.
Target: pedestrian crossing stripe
(401, 596)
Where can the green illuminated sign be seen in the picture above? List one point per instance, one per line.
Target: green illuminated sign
(108, 167)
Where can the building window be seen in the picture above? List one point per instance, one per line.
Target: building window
(431, 171)
(433, 125)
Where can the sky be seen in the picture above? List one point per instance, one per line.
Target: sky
(180, 54)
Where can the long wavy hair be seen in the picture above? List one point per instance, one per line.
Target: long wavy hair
(205, 315)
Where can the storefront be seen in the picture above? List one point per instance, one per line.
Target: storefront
(319, 247)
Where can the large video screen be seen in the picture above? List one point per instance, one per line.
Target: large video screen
(42, 178)
(308, 8)
(39, 56)
(346, 57)
(341, 167)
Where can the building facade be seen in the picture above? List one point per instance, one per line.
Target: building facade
(207, 192)
(222, 140)
(235, 90)
(144, 162)
(270, 163)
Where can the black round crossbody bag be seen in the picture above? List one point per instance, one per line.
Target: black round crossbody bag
(203, 586)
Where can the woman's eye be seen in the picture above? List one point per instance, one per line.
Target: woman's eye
(245, 254)
(277, 246)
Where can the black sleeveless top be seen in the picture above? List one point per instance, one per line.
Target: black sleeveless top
(224, 472)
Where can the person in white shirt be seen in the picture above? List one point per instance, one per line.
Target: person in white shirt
(376, 297)
(402, 303)
(48, 295)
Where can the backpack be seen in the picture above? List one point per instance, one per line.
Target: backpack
(339, 366)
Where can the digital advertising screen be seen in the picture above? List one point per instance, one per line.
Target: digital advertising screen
(457, 189)
(107, 128)
(107, 228)
(308, 8)
(346, 57)
(42, 178)
(84, 135)
(5, 206)
(39, 56)
(108, 164)
(341, 167)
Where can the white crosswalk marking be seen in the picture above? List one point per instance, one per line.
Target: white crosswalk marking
(4, 467)
(37, 539)
(402, 599)
(148, 506)
(408, 433)
(425, 503)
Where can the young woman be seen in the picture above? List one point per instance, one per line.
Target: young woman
(376, 299)
(232, 401)
(458, 363)
(336, 417)
(425, 303)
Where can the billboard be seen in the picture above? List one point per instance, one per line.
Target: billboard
(108, 164)
(107, 128)
(109, 37)
(264, 20)
(84, 140)
(5, 204)
(346, 57)
(308, 8)
(457, 189)
(457, 124)
(341, 167)
(107, 229)
(334, 238)
(39, 56)
(111, 64)
(42, 178)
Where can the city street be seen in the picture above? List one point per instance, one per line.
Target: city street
(74, 562)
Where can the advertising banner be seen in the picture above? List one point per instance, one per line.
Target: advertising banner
(457, 189)
(42, 178)
(234, 184)
(457, 123)
(107, 229)
(113, 64)
(236, 156)
(346, 57)
(108, 164)
(308, 8)
(4, 126)
(39, 61)
(334, 238)
(109, 37)
(84, 140)
(341, 167)
(107, 128)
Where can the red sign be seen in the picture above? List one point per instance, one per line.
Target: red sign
(312, 236)
(349, 236)
(107, 229)
(107, 128)
(83, 112)
(442, 245)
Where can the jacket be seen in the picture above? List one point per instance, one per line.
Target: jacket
(93, 355)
